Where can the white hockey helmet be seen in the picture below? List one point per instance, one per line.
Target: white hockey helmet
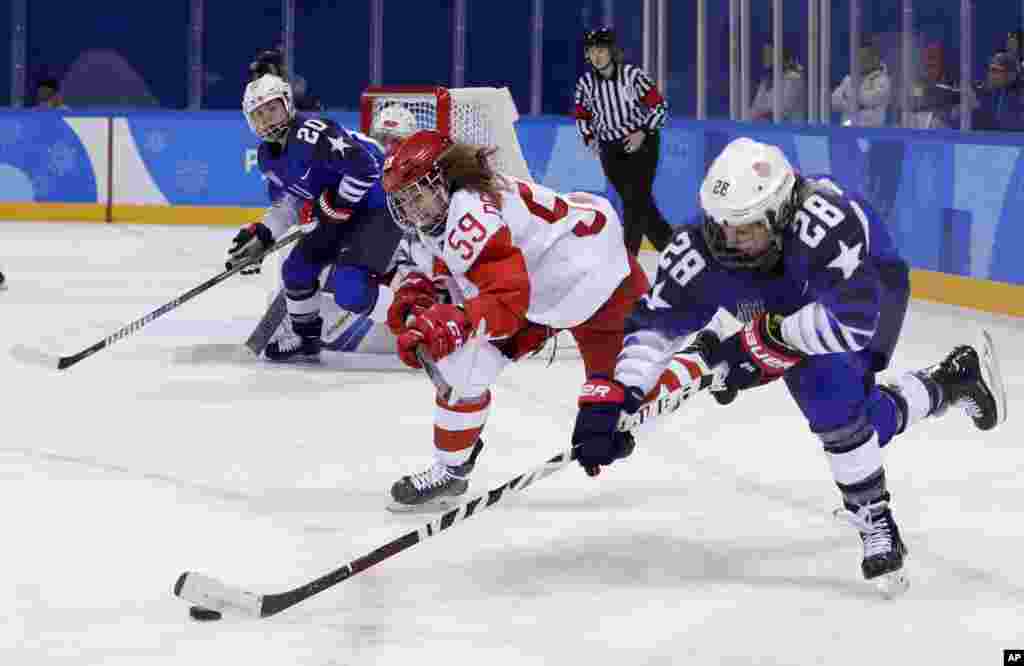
(393, 122)
(263, 91)
(748, 183)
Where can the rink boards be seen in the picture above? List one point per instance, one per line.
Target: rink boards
(950, 199)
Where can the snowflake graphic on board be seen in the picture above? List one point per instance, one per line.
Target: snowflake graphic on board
(192, 176)
(61, 158)
(156, 141)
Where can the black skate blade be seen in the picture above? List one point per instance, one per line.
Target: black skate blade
(300, 361)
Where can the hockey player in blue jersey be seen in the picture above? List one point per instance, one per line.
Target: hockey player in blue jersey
(823, 293)
(326, 179)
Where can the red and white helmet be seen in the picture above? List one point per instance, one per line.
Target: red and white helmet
(416, 186)
(393, 123)
(264, 91)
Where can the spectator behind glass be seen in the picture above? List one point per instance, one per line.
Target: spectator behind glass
(1014, 39)
(794, 89)
(271, 61)
(48, 96)
(868, 108)
(934, 96)
(1000, 104)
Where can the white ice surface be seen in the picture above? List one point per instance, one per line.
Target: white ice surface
(713, 544)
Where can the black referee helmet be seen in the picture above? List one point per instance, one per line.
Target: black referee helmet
(599, 37)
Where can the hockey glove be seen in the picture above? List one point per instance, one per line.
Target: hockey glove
(414, 295)
(322, 209)
(249, 243)
(756, 354)
(596, 436)
(707, 344)
(443, 328)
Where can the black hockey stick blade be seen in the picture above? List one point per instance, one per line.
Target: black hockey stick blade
(268, 324)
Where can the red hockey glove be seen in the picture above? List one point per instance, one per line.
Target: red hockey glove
(414, 295)
(407, 343)
(442, 328)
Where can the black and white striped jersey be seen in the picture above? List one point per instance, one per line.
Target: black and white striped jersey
(610, 109)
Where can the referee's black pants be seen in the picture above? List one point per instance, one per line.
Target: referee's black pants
(632, 176)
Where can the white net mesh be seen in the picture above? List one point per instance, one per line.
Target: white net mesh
(481, 116)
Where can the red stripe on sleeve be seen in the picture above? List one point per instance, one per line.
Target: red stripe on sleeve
(582, 114)
(653, 98)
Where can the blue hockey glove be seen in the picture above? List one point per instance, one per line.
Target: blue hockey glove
(596, 437)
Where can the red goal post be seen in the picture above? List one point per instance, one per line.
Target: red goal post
(482, 116)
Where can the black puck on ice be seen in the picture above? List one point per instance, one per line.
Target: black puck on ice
(204, 614)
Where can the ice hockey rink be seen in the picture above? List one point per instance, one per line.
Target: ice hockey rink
(713, 544)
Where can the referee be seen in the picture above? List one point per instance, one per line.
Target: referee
(619, 113)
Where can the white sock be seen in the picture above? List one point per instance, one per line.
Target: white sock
(914, 391)
(385, 297)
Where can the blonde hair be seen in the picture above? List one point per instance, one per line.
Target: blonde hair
(469, 167)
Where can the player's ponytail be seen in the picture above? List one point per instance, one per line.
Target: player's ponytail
(469, 167)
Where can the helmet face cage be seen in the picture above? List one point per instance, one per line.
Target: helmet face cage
(261, 92)
(422, 206)
(274, 131)
(730, 257)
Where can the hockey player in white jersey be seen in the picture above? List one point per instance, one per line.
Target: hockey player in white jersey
(525, 260)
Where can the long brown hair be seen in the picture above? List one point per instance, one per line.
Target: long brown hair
(469, 167)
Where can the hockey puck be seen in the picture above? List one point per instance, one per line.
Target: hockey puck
(204, 614)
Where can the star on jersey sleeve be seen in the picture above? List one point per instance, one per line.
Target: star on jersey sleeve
(357, 170)
(845, 313)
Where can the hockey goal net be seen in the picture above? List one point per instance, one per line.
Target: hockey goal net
(481, 116)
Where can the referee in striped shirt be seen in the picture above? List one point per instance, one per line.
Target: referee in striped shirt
(619, 113)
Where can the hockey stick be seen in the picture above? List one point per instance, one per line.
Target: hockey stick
(63, 362)
(268, 325)
(449, 393)
(215, 595)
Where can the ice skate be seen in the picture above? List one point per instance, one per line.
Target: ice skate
(301, 345)
(969, 378)
(437, 488)
(883, 548)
